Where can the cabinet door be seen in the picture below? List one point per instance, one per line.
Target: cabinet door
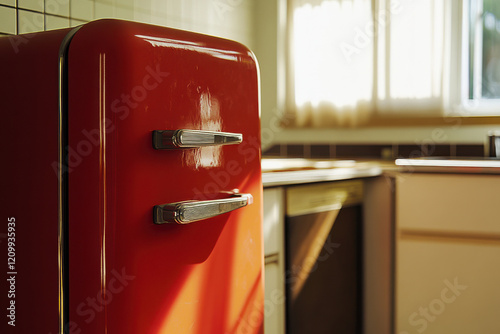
(465, 204)
(447, 285)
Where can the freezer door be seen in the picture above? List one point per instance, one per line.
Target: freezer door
(140, 262)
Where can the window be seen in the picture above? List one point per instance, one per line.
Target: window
(350, 61)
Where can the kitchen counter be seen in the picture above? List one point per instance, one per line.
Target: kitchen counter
(278, 172)
(286, 171)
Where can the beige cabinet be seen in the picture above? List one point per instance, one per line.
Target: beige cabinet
(447, 254)
(274, 293)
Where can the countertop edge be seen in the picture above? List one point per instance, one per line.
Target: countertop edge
(285, 178)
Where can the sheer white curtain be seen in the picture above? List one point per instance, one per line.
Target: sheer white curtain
(349, 60)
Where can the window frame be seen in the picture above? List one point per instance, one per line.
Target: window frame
(475, 106)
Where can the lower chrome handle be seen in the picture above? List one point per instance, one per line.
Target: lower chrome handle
(190, 211)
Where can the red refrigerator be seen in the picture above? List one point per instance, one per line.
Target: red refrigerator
(131, 182)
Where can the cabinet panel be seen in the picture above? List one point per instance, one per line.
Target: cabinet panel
(445, 202)
(274, 304)
(273, 220)
(447, 286)
(378, 251)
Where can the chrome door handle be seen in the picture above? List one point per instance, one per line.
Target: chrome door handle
(182, 138)
(190, 211)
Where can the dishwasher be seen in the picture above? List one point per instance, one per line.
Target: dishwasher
(324, 258)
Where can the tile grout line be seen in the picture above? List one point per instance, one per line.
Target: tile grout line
(453, 150)
(307, 151)
(7, 6)
(333, 151)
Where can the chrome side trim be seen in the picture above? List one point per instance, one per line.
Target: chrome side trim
(62, 188)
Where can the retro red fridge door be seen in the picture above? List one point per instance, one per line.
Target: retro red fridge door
(29, 186)
(130, 87)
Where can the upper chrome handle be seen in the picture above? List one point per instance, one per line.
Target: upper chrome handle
(182, 138)
(190, 211)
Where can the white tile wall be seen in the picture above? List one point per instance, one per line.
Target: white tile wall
(225, 18)
(30, 22)
(56, 22)
(8, 2)
(36, 5)
(104, 9)
(125, 9)
(159, 15)
(82, 9)
(74, 23)
(57, 7)
(7, 20)
(142, 10)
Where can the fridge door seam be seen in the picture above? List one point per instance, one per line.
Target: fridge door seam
(62, 188)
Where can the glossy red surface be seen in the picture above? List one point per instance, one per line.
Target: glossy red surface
(28, 191)
(128, 275)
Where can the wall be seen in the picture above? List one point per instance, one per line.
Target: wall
(259, 24)
(225, 18)
(269, 43)
(269, 48)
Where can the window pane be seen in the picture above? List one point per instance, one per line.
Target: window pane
(333, 53)
(417, 50)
